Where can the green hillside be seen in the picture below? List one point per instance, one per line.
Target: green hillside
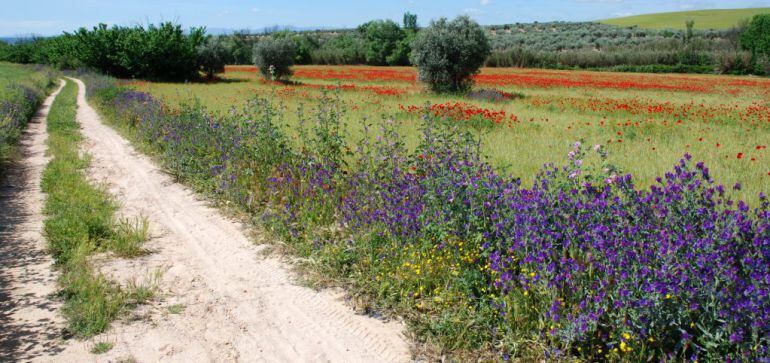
(704, 19)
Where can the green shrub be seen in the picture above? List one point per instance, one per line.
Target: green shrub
(274, 57)
(383, 38)
(306, 44)
(5, 50)
(756, 38)
(341, 49)
(763, 65)
(448, 54)
(162, 52)
(241, 46)
(212, 56)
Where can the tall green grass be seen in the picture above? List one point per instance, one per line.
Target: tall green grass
(80, 221)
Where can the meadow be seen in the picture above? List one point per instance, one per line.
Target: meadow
(544, 215)
(645, 122)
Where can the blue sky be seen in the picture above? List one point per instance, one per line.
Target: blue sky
(47, 17)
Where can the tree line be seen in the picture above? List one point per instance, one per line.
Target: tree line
(168, 52)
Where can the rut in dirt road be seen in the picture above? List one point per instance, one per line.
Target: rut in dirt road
(30, 326)
(239, 304)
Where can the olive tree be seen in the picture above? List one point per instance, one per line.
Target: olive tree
(274, 57)
(448, 53)
(212, 56)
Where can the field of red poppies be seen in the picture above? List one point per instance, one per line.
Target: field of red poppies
(529, 117)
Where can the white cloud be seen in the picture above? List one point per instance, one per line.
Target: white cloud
(255, 10)
(622, 14)
(485, 2)
(599, 1)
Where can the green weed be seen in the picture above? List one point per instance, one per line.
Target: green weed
(80, 220)
(101, 348)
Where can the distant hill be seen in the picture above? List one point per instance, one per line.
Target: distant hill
(704, 19)
(267, 29)
(9, 40)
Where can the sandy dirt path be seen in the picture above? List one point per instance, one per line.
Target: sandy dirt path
(221, 299)
(30, 326)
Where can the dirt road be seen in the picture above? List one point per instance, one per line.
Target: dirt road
(30, 326)
(222, 300)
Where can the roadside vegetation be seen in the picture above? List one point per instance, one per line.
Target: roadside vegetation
(80, 220)
(412, 217)
(22, 89)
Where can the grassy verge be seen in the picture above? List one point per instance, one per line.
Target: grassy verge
(80, 221)
(22, 88)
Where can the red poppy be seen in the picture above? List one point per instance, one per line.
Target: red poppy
(740, 155)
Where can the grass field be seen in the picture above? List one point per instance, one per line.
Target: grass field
(646, 122)
(704, 19)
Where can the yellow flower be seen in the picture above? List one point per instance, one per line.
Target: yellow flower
(668, 296)
(625, 348)
(627, 336)
(527, 293)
